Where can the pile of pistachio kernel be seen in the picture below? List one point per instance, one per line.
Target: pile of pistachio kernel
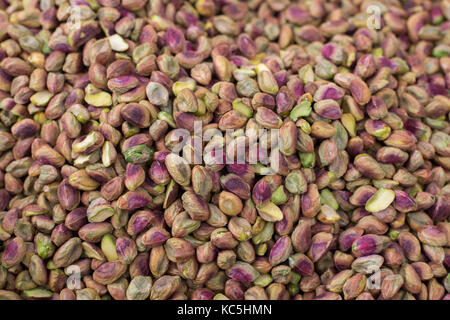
(108, 190)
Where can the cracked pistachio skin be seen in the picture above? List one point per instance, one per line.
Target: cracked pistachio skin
(103, 170)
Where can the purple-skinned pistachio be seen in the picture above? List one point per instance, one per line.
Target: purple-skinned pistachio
(425, 200)
(234, 289)
(361, 195)
(369, 244)
(189, 58)
(223, 239)
(347, 238)
(158, 262)
(155, 237)
(136, 114)
(195, 205)
(291, 212)
(417, 128)
(245, 171)
(371, 224)
(140, 265)
(434, 254)
(441, 208)
(301, 237)
(9, 220)
(99, 210)
(328, 109)
(235, 184)
(327, 152)
(94, 231)
(412, 280)
(202, 294)
(328, 91)
(261, 99)
(79, 36)
(267, 118)
(338, 281)
(301, 264)
(24, 129)
(432, 235)
(412, 105)
(401, 139)
(440, 141)
(68, 196)
(386, 215)
(59, 235)
(80, 180)
(109, 272)
(76, 219)
(174, 39)
(159, 173)
(310, 201)
(369, 167)
(112, 189)
(178, 250)
(320, 245)
(365, 67)
(222, 67)
(261, 192)
(284, 100)
(393, 255)
(360, 91)
(280, 251)
(164, 287)
(342, 260)
(378, 129)
(437, 107)
(139, 222)
(97, 75)
(201, 181)
(288, 135)
(404, 202)
(242, 272)
(178, 168)
(7, 141)
(126, 249)
(206, 253)
(134, 200)
(391, 155)
(240, 228)
(134, 176)
(246, 45)
(333, 52)
(13, 253)
(46, 155)
(68, 253)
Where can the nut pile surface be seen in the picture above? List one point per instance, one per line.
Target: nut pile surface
(352, 201)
